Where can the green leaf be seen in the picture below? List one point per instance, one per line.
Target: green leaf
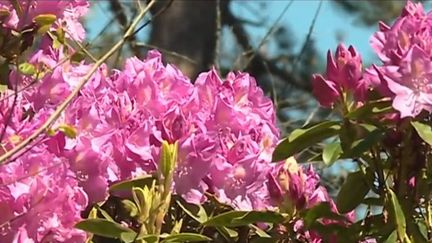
(240, 218)
(392, 237)
(127, 185)
(331, 153)
(130, 207)
(352, 192)
(105, 228)
(322, 210)
(44, 19)
(185, 237)
(303, 138)
(371, 108)
(364, 144)
(397, 213)
(128, 237)
(373, 201)
(168, 158)
(227, 233)
(104, 213)
(177, 226)
(148, 238)
(68, 130)
(424, 131)
(195, 211)
(44, 22)
(26, 68)
(78, 56)
(420, 232)
(261, 233)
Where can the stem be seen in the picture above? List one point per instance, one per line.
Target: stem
(75, 92)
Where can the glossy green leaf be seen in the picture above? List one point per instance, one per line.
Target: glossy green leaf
(104, 213)
(371, 108)
(352, 192)
(105, 228)
(185, 237)
(397, 213)
(322, 210)
(195, 211)
(364, 144)
(240, 218)
(420, 232)
(392, 237)
(304, 138)
(148, 238)
(424, 131)
(127, 185)
(373, 201)
(26, 68)
(331, 153)
(227, 233)
(261, 233)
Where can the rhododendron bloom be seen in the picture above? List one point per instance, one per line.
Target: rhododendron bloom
(292, 188)
(411, 84)
(392, 43)
(405, 49)
(67, 15)
(225, 128)
(343, 74)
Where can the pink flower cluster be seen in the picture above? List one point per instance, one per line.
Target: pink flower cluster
(19, 15)
(405, 75)
(292, 189)
(225, 128)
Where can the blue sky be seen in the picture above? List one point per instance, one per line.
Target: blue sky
(331, 20)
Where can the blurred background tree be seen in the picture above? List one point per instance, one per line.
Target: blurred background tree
(198, 34)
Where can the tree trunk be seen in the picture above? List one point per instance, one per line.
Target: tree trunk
(187, 27)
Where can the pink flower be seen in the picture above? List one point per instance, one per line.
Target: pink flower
(411, 84)
(67, 13)
(45, 201)
(392, 43)
(292, 189)
(343, 74)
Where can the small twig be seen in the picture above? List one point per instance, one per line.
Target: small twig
(308, 37)
(118, 11)
(268, 34)
(153, 17)
(218, 36)
(75, 92)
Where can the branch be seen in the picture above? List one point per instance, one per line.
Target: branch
(75, 92)
(259, 64)
(118, 11)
